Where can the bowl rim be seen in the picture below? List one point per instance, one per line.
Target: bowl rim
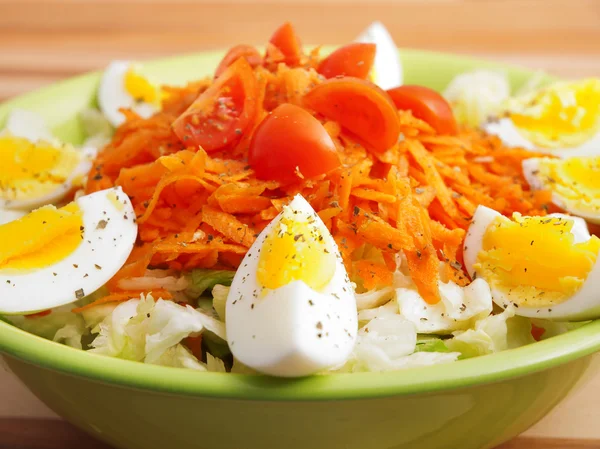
(504, 365)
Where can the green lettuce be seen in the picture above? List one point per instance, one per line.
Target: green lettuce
(429, 343)
(220, 293)
(492, 334)
(202, 280)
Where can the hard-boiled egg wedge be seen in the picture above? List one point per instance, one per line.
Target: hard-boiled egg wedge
(387, 69)
(122, 86)
(477, 95)
(574, 183)
(547, 267)
(562, 119)
(35, 168)
(291, 310)
(52, 256)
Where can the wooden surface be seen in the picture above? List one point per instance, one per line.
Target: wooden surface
(48, 434)
(42, 41)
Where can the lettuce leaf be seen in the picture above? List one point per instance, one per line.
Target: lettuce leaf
(220, 293)
(492, 334)
(145, 329)
(202, 280)
(428, 343)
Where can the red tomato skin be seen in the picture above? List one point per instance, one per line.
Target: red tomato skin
(248, 52)
(290, 144)
(287, 41)
(359, 106)
(221, 113)
(355, 60)
(426, 104)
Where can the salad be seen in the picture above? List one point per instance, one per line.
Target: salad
(300, 214)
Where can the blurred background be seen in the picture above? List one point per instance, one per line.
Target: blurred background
(43, 41)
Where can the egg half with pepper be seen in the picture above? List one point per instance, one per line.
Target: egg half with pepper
(291, 310)
(124, 87)
(54, 256)
(562, 119)
(574, 183)
(547, 267)
(387, 71)
(35, 168)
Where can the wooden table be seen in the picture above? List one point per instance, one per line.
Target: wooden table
(42, 41)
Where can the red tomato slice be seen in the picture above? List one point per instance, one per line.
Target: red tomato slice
(222, 112)
(426, 104)
(287, 42)
(360, 107)
(289, 144)
(248, 52)
(351, 60)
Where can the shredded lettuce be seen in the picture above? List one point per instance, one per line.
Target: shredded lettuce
(179, 356)
(145, 329)
(476, 96)
(389, 343)
(429, 343)
(220, 293)
(97, 128)
(60, 325)
(492, 334)
(202, 280)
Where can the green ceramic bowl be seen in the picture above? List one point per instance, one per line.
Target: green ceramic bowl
(471, 404)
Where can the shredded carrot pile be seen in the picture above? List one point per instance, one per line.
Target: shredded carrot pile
(199, 210)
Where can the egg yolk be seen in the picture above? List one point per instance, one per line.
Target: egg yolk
(30, 170)
(297, 250)
(576, 180)
(534, 260)
(140, 88)
(40, 239)
(563, 115)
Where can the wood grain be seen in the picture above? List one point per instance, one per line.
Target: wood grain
(45, 40)
(54, 434)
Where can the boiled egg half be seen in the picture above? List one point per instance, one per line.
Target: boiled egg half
(387, 70)
(291, 310)
(35, 168)
(562, 119)
(547, 267)
(574, 183)
(124, 87)
(52, 257)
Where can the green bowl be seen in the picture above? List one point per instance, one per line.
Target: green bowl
(471, 404)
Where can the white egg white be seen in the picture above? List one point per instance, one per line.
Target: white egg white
(531, 168)
(108, 237)
(113, 96)
(291, 331)
(7, 215)
(387, 66)
(583, 305)
(32, 126)
(28, 125)
(506, 130)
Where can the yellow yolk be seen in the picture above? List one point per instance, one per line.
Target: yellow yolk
(576, 180)
(563, 115)
(535, 260)
(296, 250)
(40, 239)
(140, 88)
(30, 170)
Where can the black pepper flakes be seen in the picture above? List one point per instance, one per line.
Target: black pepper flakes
(79, 293)
(102, 224)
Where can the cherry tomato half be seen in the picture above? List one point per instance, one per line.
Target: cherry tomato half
(351, 60)
(248, 52)
(290, 143)
(222, 112)
(426, 104)
(360, 107)
(286, 41)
